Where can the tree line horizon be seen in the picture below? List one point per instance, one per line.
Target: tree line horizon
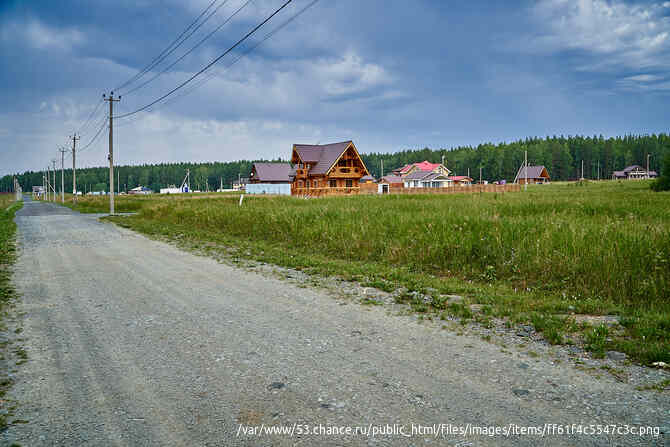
(562, 156)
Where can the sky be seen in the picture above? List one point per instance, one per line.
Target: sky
(390, 75)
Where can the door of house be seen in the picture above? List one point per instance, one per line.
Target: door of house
(385, 189)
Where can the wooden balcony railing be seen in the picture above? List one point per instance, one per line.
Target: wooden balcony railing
(321, 192)
(345, 172)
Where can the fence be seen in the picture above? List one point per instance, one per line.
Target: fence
(370, 189)
(512, 187)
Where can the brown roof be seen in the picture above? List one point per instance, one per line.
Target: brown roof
(391, 179)
(272, 172)
(533, 172)
(322, 156)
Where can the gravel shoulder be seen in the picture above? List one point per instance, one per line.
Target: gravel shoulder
(135, 342)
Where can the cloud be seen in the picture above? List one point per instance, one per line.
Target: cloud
(643, 78)
(617, 33)
(40, 36)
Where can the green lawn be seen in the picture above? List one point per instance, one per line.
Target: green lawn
(536, 257)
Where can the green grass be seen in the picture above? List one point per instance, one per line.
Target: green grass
(8, 208)
(535, 257)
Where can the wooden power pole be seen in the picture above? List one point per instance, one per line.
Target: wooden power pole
(74, 168)
(62, 174)
(110, 156)
(53, 186)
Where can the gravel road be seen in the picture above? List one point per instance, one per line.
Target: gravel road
(134, 342)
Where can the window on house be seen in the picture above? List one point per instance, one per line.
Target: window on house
(333, 183)
(350, 183)
(300, 184)
(315, 184)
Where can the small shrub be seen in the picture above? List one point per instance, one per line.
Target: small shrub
(596, 340)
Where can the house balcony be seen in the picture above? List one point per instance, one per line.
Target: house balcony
(321, 192)
(345, 172)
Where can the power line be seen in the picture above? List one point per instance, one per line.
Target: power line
(244, 54)
(172, 47)
(90, 117)
(97, 134)
(215, 30)
(256, 28)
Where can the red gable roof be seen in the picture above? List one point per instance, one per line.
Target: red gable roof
(423, 166)
(426, 165)
(458, 178)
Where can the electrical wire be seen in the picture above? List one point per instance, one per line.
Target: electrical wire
(209, 76)
(162, 57)
(206, 67)
(95, 137)
(144, 70)
(90, 117)
(215, 30)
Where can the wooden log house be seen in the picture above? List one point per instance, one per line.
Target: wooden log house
(327, 169)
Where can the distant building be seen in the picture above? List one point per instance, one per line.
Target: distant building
(426, 179)
(634, 172)
(534, 174)
(240, 184)
(389, 183)
(270, 173)
(140, 190)
(269, 178)
(461, 180)
(422, 166)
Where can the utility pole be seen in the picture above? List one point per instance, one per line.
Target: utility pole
(480, 175)
(598, 170)
(53, 187)
(382, 161)
(62, 174)
(110, 156)
(118, 181)
(582, 178)
(525, 168)
(74, 168)
(648, 155)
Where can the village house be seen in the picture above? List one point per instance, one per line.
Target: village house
(422, 166)
(461, 180)
(426, 179)
(534, 174)
(269, 178)
(326, 169)
(634, 172)
(389, 183)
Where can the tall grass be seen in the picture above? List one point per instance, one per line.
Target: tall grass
(606, 241)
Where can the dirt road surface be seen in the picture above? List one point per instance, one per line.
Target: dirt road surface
(133, 342)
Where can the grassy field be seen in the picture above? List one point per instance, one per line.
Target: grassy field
(7, 293)
(539, 257)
